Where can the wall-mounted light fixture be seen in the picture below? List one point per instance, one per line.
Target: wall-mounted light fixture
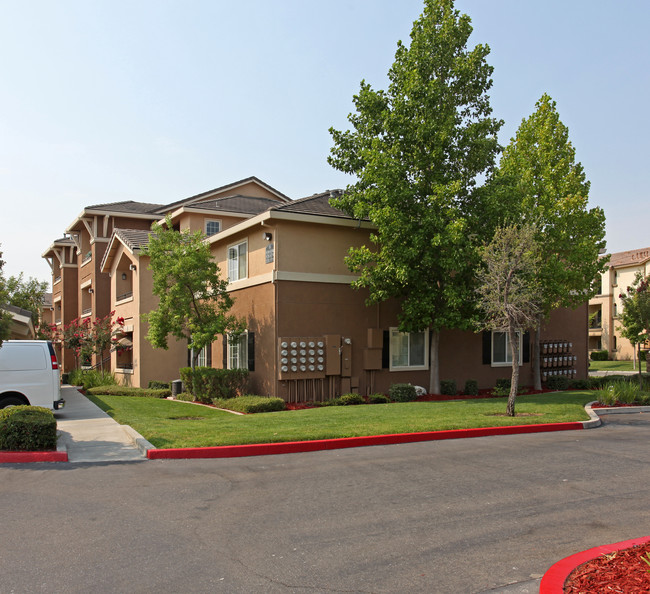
(267, 236)
(124, 276)
(132, 267)
(91, 290)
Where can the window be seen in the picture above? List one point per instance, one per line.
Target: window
(237, 261)
(408, 350)
(204, 358)
(501, 355)
(212, 227)
(238, 351)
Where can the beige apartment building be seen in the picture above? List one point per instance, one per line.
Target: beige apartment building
(604, 308)
(309, 335)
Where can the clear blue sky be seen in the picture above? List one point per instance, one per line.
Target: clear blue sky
(158, 100)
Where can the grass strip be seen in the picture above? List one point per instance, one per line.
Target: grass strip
(169, 424)
(615, 366)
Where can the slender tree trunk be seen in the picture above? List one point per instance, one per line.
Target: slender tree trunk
(640, 374)
(536, 359)
(434, 362)
(514, 379)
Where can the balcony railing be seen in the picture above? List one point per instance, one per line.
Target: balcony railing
(57, 279)
(124, 296)
(87, 258)
(87, 311)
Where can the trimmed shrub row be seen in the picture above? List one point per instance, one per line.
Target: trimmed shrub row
(27, 428)
(206, 383)
(129, 391)
(250, 404)
(599, 355)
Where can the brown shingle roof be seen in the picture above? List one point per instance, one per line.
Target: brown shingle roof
(241, 204)
(134, 239)
(318, 204)
(128, 206)
(629, 258)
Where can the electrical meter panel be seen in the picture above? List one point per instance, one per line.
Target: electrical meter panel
(301, 357)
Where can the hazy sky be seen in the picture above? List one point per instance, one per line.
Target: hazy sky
(158, 100)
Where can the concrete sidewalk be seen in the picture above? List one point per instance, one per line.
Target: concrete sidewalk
(90, 435)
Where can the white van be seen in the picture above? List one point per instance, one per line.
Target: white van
(29, 374)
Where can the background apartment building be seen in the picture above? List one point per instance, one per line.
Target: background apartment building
(605, 308)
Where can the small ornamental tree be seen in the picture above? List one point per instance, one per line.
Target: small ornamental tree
(635, 319)
(87, 337)
(193, 302)
(508, 291)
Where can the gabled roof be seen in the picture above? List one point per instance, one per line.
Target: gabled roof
(629, 258)
(127, 207)
(221, 190)
(318, 204)
(250, 205)
(57, 243)
(132, 239)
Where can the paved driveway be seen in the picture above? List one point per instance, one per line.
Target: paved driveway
(461, 516)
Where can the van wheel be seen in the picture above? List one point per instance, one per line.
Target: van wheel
(11, 401)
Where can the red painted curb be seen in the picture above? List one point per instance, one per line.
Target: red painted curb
(58, 456)
(290, 447)
(554, 578)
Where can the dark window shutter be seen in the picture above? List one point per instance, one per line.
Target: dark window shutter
(225, 352)
(208, 355)
(487, 347)
(525, 348)
(385, 350)
(251, 351)
(189, 357)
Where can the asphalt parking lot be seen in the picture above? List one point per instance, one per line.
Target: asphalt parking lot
(469, 515)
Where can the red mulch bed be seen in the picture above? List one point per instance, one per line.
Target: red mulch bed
(484, 393)
(620, 571)
(617, 405)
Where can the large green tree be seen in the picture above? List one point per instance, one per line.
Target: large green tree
(508, 290)
(27, 294)
(193, 302)
(635, 319)
(416, 151)
(540, 181)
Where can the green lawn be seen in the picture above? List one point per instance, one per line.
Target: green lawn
(169, 424)
(614, 366)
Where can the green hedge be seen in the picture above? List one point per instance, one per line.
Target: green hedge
(352, 398)
(448, 387)
(471, 388)
(599, 355)
(27, 428)
(402, 393)
(129, 391)
(378, 399)
(557, 382)
(250, 404)
(206, 383)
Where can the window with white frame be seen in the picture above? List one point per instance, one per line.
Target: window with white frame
(238, 351)
(408, 350)
(501, 353)
(212, 227)
(203, 360)
(238, 261)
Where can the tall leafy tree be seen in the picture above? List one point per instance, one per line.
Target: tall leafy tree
(635, 319)
(508, 290)
(545, 185)
(416, 151)
(27, 294)
(5, 318)
(193, 302)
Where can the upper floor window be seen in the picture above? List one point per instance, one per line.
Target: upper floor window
(408, 350)
(501, 353)
(238, 261)
(212, 227)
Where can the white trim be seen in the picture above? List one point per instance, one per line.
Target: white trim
(313, 277)
(506, 363)
(259, 279)
(205, 226)
(86, 283)
(408, 367)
